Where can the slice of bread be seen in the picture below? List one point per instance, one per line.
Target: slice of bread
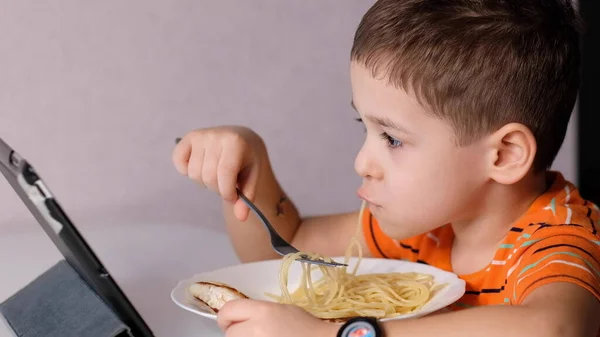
(214, 294)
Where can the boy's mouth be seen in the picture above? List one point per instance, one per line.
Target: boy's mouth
(363, 195)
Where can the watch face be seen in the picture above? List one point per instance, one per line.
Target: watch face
(359, 329)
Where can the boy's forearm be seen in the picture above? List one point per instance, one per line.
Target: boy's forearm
(490, 321)
(250, 239)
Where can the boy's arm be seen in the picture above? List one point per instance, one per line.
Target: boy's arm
(553, 310)
(329, 235)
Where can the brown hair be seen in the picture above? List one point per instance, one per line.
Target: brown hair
(480, 64)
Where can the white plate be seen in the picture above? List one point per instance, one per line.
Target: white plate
(254, 279)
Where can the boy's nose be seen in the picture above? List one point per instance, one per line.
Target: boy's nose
(366, 165)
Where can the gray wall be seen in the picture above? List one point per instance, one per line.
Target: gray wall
(93, 93)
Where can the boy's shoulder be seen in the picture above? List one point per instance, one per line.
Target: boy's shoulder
(561, 210)
(557, 240)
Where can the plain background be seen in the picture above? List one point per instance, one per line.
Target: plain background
(93, 94)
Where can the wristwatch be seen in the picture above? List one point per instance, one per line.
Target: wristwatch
(360, 327)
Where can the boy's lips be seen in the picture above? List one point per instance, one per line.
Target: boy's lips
(364, 196)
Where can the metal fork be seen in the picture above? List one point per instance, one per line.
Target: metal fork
(280, 246)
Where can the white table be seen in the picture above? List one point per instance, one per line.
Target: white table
(147, 261)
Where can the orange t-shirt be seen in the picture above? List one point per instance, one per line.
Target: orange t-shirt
(556, 240)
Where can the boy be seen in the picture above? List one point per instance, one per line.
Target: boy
(465, 105)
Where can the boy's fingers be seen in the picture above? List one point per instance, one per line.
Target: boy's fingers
(250, 181)
(195, 164)
(235, 311)
(241, 210)
(181, 156)
(227, 172)
(209, 169)
(238, 330)
(247, 180)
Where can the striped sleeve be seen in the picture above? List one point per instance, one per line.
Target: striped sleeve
(564, 257)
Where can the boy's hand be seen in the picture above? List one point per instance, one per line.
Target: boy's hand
(253, 318)
(222, 159)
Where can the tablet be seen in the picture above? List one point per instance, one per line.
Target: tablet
(55, 222)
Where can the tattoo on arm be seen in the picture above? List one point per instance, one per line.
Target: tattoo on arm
(279, 206)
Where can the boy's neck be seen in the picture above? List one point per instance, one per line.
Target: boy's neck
(498, 209)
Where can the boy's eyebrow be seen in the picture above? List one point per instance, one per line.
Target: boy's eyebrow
(385, 122)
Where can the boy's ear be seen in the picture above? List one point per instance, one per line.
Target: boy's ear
(512, 152)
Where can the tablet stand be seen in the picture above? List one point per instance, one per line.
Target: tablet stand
(60, 303)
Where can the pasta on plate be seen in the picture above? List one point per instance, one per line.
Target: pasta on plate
(340, 294)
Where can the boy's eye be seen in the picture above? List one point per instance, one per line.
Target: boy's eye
(392, 142)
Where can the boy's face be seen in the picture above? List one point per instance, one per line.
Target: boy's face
(415, 177)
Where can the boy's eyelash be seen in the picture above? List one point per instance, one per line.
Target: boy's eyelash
(391, 141)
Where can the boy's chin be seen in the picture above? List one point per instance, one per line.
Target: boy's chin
(398, 229)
